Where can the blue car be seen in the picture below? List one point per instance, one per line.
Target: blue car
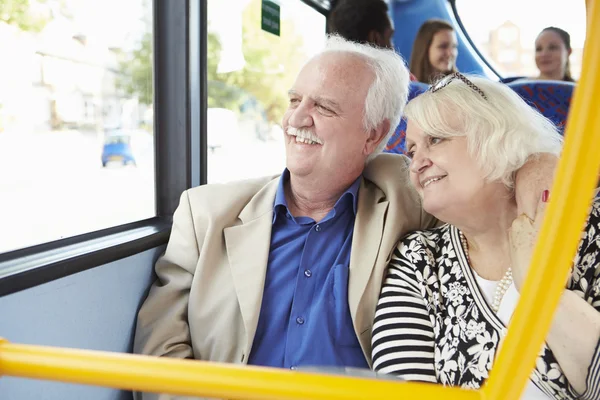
(117, 148)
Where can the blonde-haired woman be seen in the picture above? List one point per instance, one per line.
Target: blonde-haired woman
(450, 292)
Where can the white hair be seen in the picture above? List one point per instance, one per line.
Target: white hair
(502, 132)
(388, 93)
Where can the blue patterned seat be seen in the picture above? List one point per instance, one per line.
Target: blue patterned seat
(551, 98)
(396, 142)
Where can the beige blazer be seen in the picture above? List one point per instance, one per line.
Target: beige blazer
(206, 301)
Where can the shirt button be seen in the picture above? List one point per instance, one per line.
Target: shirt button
(307, 273)
(288, 216)
(318, 228)
(300, 320)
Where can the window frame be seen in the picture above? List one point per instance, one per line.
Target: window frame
(461, 26)
(180, 134)
(318, 6)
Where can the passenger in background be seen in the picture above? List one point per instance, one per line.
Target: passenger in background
(362, 21)
(434, 51)
(458, 285)
(552, 51)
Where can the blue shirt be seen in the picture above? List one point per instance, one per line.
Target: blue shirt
(304, 318)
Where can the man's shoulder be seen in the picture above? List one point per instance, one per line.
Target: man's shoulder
(387, 163)
(390, 174)
(231, 196)
(241, 186)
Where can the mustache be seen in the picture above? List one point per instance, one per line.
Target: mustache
(304, 134)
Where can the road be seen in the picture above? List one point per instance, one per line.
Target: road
(53, 186)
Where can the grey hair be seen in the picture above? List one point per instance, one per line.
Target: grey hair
(388, 93)
(503, 132)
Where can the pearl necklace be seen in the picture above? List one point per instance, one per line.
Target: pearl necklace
(504, 283)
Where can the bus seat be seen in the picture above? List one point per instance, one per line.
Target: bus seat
(511, 79)
(551, 98)
(94, 309)
(396, 142)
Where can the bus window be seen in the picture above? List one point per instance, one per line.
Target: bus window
(66, 83)
(506, 36)
(250, 71)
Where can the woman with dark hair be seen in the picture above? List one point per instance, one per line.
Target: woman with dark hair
(552, 51)
(434, 51)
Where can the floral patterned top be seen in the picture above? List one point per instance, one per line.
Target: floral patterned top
(433, 324)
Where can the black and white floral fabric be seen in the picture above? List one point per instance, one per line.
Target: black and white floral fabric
(433, 324)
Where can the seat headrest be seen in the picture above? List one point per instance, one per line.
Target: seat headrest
(396, 142)
(416, 88)
(551, 98)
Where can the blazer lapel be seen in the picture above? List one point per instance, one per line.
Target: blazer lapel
(248, 253)
(368, 232)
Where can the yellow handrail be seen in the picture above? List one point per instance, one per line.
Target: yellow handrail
(204, 379)
(570, 199)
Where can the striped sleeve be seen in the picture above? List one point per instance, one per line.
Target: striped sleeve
(403, 336)
(592, 391)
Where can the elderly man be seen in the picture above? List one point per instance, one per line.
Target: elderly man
(286, 271)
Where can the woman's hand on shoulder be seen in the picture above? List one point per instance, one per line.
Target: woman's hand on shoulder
(522, 236)
(531, 180)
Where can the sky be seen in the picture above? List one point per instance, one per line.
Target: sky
(479, 16)
(309, 23)
(114, 20)
(225, 19)
(115, 23)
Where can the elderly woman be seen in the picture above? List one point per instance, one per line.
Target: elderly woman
(450, 291)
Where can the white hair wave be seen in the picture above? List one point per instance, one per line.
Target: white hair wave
(388, 93)
(502, 132)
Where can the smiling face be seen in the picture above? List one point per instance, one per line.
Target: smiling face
(443, 51)
(444, 174)
(551, 54)
(325, 136)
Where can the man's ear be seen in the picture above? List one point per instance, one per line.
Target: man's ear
(376, 135)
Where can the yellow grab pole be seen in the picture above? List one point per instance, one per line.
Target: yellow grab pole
(561, 230)
(204, 379)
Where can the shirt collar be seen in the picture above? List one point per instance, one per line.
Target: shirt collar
(281, 203)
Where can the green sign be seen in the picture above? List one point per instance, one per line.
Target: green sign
(271, 17)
